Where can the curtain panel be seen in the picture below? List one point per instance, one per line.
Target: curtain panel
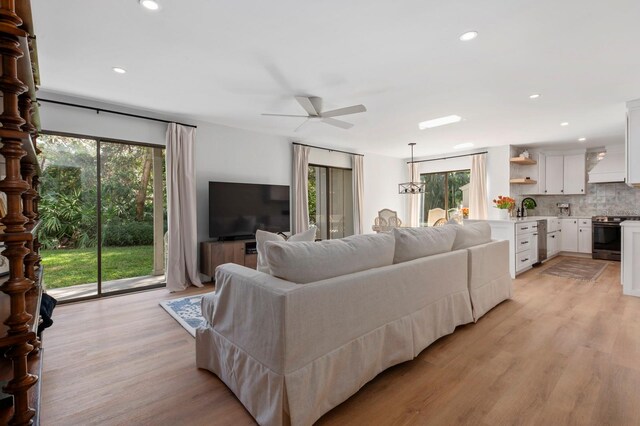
(357, 163)
(182, 262)
(300, 219)
(478, 187)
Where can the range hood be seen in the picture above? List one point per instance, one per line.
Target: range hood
(611, 168)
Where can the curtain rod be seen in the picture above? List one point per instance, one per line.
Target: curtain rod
(99, 110)
(446, 158)
(326, 149)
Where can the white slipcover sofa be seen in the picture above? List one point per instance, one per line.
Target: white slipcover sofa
(291, 352)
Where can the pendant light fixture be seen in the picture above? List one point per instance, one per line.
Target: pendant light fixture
(412, 187)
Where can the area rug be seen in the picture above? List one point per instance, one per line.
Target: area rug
(185, 310)
(577, 268)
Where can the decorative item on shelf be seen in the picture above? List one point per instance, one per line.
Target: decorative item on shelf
(524, 154)
(504, 205)
(412, 187)
(465, 212)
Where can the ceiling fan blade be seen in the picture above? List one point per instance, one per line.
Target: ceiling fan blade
(337, 123)
(302, 125)
(285, 115)
(305, 103)
(344, 111)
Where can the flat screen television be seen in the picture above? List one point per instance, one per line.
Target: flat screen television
(237, 210)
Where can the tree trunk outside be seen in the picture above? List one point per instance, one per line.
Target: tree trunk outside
(144, 184)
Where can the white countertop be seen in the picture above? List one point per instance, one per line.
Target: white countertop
(533, 219)
(630, 223)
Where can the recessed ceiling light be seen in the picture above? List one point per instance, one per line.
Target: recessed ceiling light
(564, 123)
(119, 70)
(534, 96)
(463, 145)
(150, 4)
(449, 119)
(469, 35)
(582, 139)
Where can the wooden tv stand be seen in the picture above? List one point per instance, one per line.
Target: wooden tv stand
(215, 253)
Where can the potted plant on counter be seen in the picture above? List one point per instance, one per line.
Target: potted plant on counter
(505, 205)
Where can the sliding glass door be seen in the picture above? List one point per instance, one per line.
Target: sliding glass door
(133, 216)
(68, 209)
(331, 201)
(104, 216)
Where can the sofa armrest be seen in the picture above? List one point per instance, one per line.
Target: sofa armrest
(250, 312)
(489, 277)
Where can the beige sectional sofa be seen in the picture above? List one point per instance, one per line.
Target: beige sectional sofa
(291, 352)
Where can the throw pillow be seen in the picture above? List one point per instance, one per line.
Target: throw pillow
(413, 243)
(471, 235)
(306, 262)
(263, 236)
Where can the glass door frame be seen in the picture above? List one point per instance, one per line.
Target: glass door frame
(99, 293)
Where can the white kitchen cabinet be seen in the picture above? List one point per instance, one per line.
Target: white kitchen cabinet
(633, 143)
(585, 236)
(541, 186)
(569, 240)
(575, 174)
(554, 175)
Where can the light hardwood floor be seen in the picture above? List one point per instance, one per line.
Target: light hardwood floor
(561, 352)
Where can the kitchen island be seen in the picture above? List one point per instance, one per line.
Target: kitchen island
(630, 273)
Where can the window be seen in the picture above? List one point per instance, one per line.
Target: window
(331, 201)
(445, 190)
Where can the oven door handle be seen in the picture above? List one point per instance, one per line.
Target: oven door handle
(606, 225)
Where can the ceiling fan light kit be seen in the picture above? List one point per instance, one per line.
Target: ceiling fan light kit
(410, 188)
(313, 106)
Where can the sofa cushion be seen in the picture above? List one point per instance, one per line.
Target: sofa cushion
(471, 235)
(264, 236)
(306, 262)
(413, 243)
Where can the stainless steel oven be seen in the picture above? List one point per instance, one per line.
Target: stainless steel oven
(607, 236)
(607, 240)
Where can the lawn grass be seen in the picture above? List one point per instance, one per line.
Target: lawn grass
(68, 267)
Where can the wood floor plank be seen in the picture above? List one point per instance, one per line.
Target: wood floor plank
(562, 351)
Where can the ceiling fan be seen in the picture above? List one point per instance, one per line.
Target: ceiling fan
(313, 106)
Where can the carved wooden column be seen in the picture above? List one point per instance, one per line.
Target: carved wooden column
(15, 236)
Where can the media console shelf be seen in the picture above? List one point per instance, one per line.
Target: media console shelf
(215, 253)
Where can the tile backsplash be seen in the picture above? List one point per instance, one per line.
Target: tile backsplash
(600, 198)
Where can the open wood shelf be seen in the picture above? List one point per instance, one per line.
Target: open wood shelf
(523, 181)
(523, 161)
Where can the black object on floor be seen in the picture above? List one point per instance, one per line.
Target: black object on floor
(46, 311)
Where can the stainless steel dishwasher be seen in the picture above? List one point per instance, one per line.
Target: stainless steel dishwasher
(542, 240)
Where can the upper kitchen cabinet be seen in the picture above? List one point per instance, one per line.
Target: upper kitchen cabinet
(575, 173)
(633, 143)
(566, 174)
(554, 175)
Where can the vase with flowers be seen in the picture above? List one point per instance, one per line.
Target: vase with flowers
(465, 212)
(504, 205)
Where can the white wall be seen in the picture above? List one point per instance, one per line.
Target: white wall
(498, 167)
(72, 120)
(232, 155)
(381, 178)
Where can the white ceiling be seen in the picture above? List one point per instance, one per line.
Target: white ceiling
(228, 61)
